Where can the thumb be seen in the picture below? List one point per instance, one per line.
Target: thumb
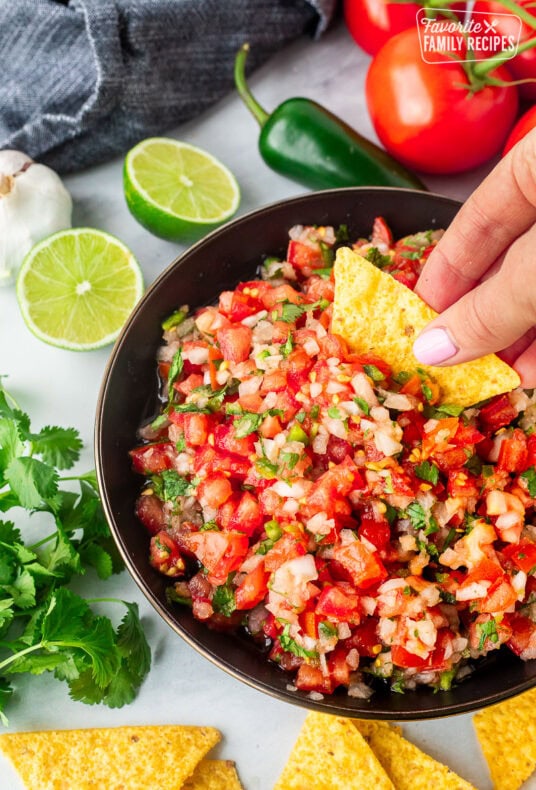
(491, 317)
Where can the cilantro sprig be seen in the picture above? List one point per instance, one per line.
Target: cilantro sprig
(44, 625)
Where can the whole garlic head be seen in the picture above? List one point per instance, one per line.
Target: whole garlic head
(33, 204)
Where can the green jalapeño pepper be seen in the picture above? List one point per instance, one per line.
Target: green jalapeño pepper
(302, 140)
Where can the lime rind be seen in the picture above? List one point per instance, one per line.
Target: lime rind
(59, 314)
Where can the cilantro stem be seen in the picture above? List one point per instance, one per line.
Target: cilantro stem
(19, 654)
(42, 541)
(104, 600)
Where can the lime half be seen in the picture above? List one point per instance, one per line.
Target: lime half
(178, 191)
(77, 287)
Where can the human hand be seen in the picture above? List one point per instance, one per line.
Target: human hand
(481, 277)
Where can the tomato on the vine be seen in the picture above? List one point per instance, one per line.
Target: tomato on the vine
(429, 116)
(504, 23)
(525, 123)
(372, 22)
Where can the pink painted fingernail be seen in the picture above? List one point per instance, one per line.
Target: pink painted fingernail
(434, 347)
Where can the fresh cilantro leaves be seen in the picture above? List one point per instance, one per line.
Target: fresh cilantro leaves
(427, 471)
(529, 475)
(44, 626)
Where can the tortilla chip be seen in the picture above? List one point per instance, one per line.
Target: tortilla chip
(119, 758)
(507, 735)
(330, 754)
(376, 314)
(214, 775)
(406, 766)
(369, 726)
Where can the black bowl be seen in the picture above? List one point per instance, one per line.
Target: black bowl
(129, 395)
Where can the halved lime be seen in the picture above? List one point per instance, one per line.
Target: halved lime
(178, 191)
(77, 287)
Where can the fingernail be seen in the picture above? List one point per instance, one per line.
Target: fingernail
(434, 347)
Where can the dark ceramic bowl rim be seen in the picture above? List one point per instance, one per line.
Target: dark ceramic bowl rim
(395, 710)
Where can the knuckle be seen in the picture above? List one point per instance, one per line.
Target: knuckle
(480, 325)
(523, 167)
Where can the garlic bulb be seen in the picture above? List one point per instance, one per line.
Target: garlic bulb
(33, 204)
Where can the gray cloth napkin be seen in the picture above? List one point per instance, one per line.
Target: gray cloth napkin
(86, 79)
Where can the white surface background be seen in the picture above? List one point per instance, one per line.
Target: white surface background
(61, 387)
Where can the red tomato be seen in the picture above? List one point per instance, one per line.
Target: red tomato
(304, 257)
(219, 552)
(339, 602)
(165, 556)
(362, 565)
(253, 588)
(365, 638)
(310, 678)
(372, 22)
(506, 24)
(522, 554)
(496, 414)
(226, 441)
(241, 513)
(235, 342)
(149, 510)
(513, 453)
(522, 127)
(214, 490)
(153, 458)
(425, 115)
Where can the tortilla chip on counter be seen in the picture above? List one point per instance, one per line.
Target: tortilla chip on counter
(330, 754)
(406, 765)
(214, 775)
(507, 735)
(376, 314)
(116, 758)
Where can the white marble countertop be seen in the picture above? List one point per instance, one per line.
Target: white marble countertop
(61, 387)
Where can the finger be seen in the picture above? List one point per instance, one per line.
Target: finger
(525, 365)
(501, 208)
(491, 317)
(515, 350)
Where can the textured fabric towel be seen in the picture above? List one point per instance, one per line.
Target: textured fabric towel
(83, 80)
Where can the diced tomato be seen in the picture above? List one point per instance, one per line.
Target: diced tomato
(522, 554)
(339, 671)
(496, 414)
(309, 623)
(235, 342)
(365, 638)
(501, 596)
(376, 531)
(274, 297)
(213, 491)
(364, 567)
(340, 603)
(149, 510)
(196, 428)
(462, 483)
(273, 381)
(333, 345)
(208, 461)
(531, 450)
(297, 366)
(219, 552)
(304, 257)
(253, 588)
(523, 636)
(466, 435)
(381, 233)
(226, 441)
(150, 459)
(513, 452)
(403, 658)
(242, 513)
(310, 678)
(270, 427)
(188, 384)
(164, 555)
(285, 549)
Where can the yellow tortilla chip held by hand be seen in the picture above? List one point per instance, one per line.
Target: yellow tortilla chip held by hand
(330, 754)
(116, 758)
(404, 763)
(507, 736)
(376, 314)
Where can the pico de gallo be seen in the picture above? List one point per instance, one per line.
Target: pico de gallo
(352, 523)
